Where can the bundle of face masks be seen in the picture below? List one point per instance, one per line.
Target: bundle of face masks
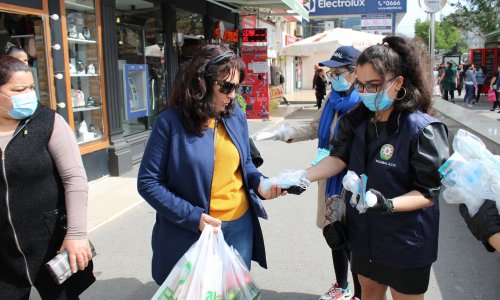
(285, 180)
(471, 174)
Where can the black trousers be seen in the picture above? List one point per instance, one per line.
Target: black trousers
(319, 99)
(479, 89)
(452, 94)
(497, 102)
(46, 286)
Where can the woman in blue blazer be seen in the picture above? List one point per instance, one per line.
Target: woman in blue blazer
(197, 167)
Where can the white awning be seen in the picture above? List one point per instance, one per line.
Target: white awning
(330, 40)
(282, 8)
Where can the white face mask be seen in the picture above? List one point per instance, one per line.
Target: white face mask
(23, 105)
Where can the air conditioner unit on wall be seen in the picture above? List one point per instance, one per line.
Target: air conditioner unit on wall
(299, 31)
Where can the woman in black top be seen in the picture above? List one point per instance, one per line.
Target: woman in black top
(320, 87)
(393, 141)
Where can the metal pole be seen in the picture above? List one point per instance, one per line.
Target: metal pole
(431, 48)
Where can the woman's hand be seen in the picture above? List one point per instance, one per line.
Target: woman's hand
(274, 192)
(206, 219)
(79, 253)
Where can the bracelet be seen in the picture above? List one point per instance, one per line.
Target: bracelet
(390, 206)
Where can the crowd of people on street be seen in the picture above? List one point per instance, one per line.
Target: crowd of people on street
(376, 128)
(470, 77)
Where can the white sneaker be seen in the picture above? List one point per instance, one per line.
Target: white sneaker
(469, 105)
(335, 293)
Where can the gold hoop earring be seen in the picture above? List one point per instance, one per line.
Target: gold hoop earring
(400, 98)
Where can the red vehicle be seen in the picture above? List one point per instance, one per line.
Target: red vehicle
(487, 57)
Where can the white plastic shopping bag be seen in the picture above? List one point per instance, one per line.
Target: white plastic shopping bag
(209, 270)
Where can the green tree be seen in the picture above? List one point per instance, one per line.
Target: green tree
(446, 35)
(478, 16)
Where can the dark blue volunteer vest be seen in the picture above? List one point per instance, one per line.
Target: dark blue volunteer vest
(403, 240)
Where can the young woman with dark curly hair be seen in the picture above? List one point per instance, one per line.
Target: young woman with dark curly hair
(393, 140)
(197, 167)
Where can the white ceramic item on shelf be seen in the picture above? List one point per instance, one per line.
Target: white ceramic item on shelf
(91, 69)
(72, 33)
(72, 69)
(78, 98)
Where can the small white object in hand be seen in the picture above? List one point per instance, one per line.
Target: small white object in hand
(370, 199)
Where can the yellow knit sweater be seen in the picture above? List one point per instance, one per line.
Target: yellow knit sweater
(228, 198)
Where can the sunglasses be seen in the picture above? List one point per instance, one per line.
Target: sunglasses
(227, 87)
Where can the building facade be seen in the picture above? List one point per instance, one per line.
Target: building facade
(107, 66)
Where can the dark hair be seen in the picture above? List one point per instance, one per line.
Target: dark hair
(10, 65)
(401, 57)
(14, 49)
(192, 91)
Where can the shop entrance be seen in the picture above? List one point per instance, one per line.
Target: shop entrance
(22, 36)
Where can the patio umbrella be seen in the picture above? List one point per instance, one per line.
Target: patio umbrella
(330, 40)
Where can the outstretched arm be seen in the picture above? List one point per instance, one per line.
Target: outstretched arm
(326, 168)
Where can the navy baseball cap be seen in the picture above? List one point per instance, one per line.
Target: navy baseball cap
(343, 56)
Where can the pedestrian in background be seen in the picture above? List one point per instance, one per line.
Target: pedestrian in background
(43, 190)
(197, 168)
(394, 141)
(470, 85)
(18, 53)
(460, 78)
(480, 76)
(281, 79)
(441, 69)
(495, 86)
(448, 79)
(320, 87)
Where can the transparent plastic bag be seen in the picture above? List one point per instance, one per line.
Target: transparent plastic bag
(210, 269)
(472, 174)
(285, 180)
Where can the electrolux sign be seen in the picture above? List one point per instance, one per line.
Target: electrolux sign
(354, 7)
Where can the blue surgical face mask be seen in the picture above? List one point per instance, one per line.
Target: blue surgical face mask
(23, 105)
(340, 84)
(370, 100)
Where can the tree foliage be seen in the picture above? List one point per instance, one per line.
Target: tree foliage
(478, 16)
(447, 36)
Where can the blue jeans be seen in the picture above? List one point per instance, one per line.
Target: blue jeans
(469, 93)
(239, 234)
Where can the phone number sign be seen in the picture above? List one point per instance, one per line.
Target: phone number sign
(355, 7)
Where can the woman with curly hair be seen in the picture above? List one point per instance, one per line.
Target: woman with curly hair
(197, 167)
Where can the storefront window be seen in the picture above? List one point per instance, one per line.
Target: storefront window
(141, 48)
(85, 89)
(22, 36)
(190, 30)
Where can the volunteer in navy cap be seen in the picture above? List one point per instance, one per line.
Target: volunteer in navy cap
(341, 99)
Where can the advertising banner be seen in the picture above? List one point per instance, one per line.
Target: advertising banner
(377, 24)
(255, 88)
(355, 7)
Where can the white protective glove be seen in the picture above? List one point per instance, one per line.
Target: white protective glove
(282, 133)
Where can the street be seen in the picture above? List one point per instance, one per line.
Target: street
(299, 261)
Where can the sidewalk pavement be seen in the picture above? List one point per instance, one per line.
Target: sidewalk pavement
(110, 197)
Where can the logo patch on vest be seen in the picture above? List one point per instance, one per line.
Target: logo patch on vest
(386, 152)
